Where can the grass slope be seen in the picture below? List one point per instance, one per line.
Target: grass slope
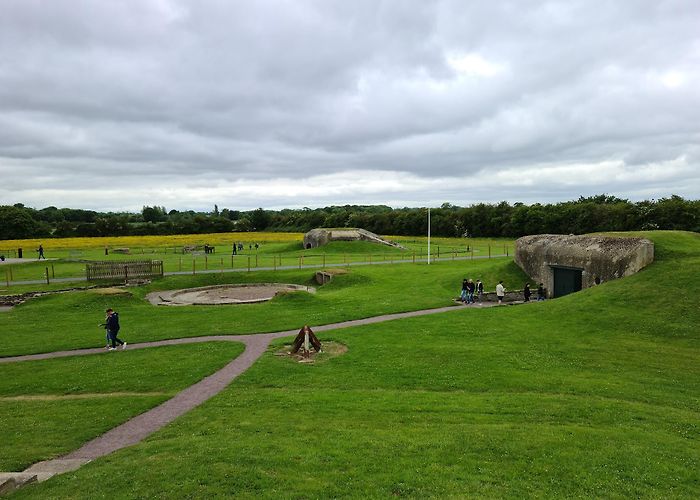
(591, 395)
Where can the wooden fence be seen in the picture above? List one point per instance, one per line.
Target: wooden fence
(125, 270)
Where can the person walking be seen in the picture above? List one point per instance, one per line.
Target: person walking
(463, 294)
(113, 329)
(540, 292)
(527, 292)
(470, 291)
(500, 292)
(41, 252)
(479, 290)
(106, 330)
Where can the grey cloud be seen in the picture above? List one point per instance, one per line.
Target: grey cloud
(246, 91)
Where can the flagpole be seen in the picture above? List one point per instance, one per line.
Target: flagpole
(428, 235)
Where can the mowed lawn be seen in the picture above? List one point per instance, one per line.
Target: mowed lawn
(68, 321)
(51, 407)
(592, 395)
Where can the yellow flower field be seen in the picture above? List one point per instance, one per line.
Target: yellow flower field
(150, 241)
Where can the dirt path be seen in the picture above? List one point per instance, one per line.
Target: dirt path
(138, 428)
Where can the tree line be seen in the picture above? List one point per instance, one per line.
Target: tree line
(585, 215)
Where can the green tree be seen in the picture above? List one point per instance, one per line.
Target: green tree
(260, 219)
(17, 223)
(153, 214)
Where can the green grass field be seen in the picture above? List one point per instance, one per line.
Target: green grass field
(596, 394)
(66, 263)
(50, 407)
(363, 292)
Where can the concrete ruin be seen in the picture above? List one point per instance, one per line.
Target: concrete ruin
(568, 263)
(214, 295)
(322, 236)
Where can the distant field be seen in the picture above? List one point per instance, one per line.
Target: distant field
(52, 244)
(68, 256)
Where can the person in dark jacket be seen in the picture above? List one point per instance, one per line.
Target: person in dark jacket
(113, 329)
(527, 292)
(540, 292)
(470, 291)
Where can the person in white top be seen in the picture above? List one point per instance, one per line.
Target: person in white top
(500, 292)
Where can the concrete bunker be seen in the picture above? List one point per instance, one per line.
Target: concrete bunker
(322, 236)
(569, 263)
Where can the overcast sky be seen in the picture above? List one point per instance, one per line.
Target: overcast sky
(112, 105)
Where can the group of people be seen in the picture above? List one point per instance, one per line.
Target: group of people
(470, 290)
(541, 293)
(238, 247)
(111, 326)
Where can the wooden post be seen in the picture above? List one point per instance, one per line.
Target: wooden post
(438, 255)
(256, 259)
(489, 251)
(53, 272)
(249, 263)
(222, 265)
(232, 261)
(506, 251)
(206, 262)
(47, 275)
(193, 266)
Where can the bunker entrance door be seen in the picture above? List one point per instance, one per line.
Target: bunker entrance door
(566, 280)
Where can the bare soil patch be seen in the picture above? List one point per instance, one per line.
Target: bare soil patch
(331, 349)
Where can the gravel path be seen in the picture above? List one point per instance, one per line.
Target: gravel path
(138, 428)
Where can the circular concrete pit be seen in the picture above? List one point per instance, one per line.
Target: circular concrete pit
(249, 293)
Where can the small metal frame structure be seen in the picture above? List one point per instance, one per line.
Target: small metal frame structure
(306, 339)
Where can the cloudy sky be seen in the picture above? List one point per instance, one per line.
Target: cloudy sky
(112, 105)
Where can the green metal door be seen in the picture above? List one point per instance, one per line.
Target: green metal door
(566, 280)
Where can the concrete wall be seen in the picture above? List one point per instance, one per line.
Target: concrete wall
(601, 258)
(316, 238)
